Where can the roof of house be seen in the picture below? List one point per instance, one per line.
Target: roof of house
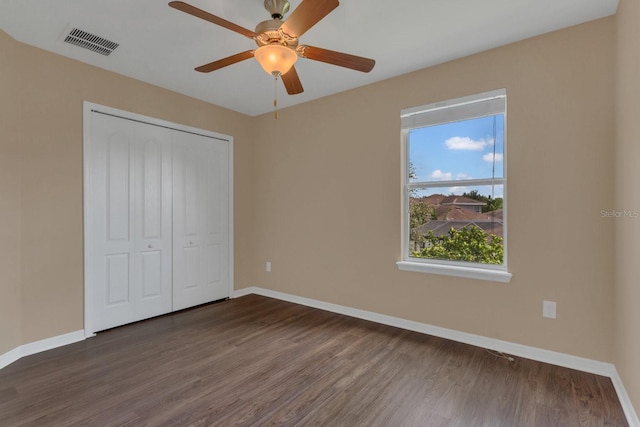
(454, 212)
(442, 227)
(498, 213)
(434, 199)
(461, 200)
(458, 208)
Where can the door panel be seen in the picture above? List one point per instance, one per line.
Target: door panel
(151, 269)
(152, 168)
(153, 218)
(216, 232)
(118, 184)
(214, 265)
(199, 198)
(214, 199)
(112, 193)
(187, 275)
(192, 189)
(192, 268)
(117, 280)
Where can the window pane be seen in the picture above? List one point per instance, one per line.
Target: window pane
(468, 149)
(457, 223)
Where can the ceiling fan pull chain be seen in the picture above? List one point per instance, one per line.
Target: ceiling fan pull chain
(275, 96)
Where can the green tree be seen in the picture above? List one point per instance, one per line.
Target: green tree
(412, 171)
(420, 212)
(491, 203)
(469, 243)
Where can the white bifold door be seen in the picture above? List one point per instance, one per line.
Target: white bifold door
(200, 215)
(156, 221)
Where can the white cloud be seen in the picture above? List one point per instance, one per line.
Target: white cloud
(489, 157)
(458, 190)
(466, 143)
(443, 176)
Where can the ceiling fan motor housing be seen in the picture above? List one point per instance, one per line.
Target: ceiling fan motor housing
(268, 32)
(277, 8)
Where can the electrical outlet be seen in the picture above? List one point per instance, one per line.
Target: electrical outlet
(268, 267)
(549, 309)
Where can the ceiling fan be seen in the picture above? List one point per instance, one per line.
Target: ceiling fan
(277, 40)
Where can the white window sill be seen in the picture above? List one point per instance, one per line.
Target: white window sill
(457, 271)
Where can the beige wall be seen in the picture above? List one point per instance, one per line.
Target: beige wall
(328, 195)
(42, 194)
(10, 162)
(627, 292)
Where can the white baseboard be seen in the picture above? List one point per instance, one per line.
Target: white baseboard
(9, 357)
(39, 346)
(524, 351)
(246, 291)
(625, 401)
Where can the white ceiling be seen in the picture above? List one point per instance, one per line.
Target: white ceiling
(162, 46)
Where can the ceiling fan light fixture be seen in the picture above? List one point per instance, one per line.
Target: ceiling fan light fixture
(276, 59)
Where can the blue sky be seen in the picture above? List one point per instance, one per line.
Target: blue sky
(458, 150)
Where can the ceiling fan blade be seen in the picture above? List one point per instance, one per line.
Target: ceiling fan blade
(229, 60)
(199, 13)
(292, 82)
(306, 15)
(357, 63)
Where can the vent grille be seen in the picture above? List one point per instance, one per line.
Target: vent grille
(91, 41)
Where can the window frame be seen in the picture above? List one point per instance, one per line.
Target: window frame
(459, 109)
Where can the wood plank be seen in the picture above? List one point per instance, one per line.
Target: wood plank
(257, 361)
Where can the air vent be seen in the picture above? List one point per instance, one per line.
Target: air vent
(90, 41)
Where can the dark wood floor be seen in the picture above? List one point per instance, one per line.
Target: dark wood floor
(257, 361)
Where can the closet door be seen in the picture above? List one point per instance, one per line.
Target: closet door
(130, 188)
(200, 231)
(157, 225)
(152, 221)
(216, 274)
(111, 179)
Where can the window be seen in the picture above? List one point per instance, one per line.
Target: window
(454, 187)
